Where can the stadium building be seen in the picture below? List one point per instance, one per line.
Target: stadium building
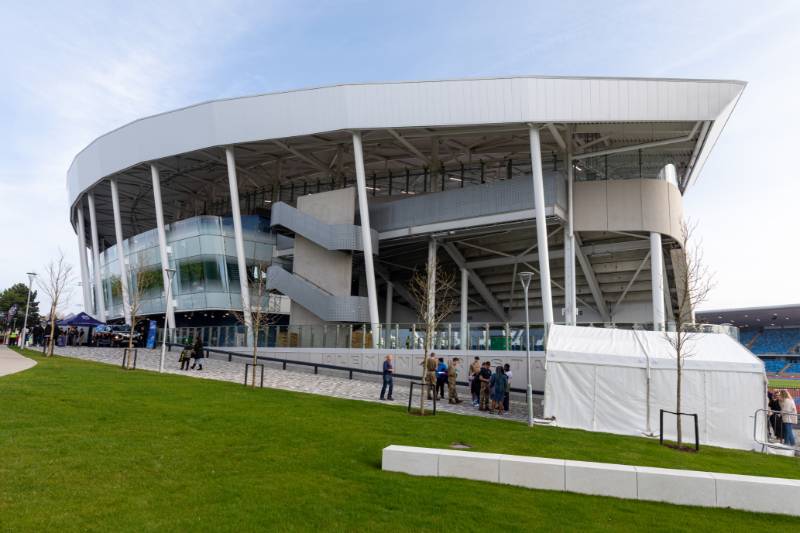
(339, 193)
(336, 196)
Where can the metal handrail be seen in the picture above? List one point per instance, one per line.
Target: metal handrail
(230, 355)
(766, 443)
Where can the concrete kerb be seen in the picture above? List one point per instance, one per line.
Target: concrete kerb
(681, 487)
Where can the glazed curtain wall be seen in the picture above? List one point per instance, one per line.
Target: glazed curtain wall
(204, 256)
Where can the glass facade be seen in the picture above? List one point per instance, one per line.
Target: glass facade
(204, 257)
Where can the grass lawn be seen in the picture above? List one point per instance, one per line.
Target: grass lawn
(789, 383)
(86, 446)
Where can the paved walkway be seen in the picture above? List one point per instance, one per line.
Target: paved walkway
(11, 362)
(336, 386)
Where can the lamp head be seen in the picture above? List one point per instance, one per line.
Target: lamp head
(525, 278)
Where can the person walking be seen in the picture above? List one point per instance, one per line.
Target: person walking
(441, 377)
(789, 417)
(484, 376)
(388, 378)
(452, 381)
(507, 398)
(198, 353)
(498, 384)
(474, 382)
(185, 358)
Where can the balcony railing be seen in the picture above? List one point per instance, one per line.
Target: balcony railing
(506, 336)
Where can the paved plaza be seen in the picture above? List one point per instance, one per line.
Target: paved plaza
(11, 362)
(337, 386)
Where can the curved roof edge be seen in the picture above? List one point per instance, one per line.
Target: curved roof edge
(439, 103)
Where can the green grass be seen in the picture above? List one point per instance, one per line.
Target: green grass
(86, 446)
(789, 383)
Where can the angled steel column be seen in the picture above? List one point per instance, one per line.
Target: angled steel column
(363, 208)
(238, 237)
(541, 226)
(169, 312)
(121, 259)
(464, 309)
(88, 304)
(100, 305)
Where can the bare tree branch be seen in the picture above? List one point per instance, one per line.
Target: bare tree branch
(443, 294)
(263, 312)
(694, 282)
(56, 284)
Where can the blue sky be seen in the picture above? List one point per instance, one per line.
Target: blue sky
(72, 71)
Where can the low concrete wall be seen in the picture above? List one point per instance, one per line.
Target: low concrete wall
(409, 361)
(683, 487)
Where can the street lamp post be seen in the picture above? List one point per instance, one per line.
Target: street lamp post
(31, 275)
(170, 272)
(525, 279)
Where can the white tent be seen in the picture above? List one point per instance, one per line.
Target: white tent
(597, 379)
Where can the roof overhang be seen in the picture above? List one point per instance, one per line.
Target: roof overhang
(482, 103)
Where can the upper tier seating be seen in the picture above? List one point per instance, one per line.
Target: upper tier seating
(772, 340)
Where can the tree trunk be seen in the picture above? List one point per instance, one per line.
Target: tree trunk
(678, 399)
(53, 331)
(255, 354)
(130, 344)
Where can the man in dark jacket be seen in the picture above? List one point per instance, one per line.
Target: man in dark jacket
(197, 353)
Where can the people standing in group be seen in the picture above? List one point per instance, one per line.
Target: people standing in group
(198, 353)
(498, 384)
(474, 382)
(430, 374)
(441, 377)
(507, 397)
(485, 376)
(788, 417)
(388, 378)
(452, 381)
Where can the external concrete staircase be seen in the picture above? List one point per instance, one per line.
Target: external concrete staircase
(290, 220)
(328, 307)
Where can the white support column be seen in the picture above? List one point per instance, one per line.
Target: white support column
(100, 305)
(366, 237)
(238, 237)
(541, 226)
(433, 247)
(571, 304)
(88, 304)
(387, 316)
(464, 309)
(121, 259)
(657, 276)
(162, 245)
